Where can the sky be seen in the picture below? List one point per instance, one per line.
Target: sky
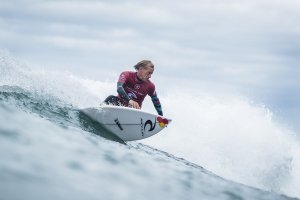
(245, 47)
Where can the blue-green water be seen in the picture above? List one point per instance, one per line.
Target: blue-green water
(49, 150)
(48, 153)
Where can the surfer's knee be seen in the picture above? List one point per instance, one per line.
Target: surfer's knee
(112, 100)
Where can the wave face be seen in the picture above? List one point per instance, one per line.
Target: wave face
(50, 150)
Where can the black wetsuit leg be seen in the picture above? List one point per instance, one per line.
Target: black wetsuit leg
(113, 100)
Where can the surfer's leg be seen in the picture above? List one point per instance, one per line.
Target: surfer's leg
(112, 100)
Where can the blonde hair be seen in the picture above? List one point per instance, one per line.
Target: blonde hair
(143, 63)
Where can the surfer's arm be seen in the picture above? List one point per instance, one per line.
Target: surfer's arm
(156, 103)
(125, 96)
(121, 91)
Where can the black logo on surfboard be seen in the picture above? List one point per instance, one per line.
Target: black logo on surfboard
(142, 127)
(149, 123)
(118, 123)
(152, 125)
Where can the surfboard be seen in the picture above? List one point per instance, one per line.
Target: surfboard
(127, 123)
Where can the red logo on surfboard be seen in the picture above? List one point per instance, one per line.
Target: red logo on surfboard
(162, 122)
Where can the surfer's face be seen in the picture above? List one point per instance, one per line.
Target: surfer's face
(144, 73)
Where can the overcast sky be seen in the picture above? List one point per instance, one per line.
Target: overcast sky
(251, 47)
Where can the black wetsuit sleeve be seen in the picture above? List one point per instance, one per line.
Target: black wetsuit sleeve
(156, 103)
(122, 92)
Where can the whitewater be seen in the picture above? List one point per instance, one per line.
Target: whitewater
(218, 146)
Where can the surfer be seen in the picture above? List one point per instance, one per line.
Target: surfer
(132, 88)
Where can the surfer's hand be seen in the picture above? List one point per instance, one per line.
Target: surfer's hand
(134, 104)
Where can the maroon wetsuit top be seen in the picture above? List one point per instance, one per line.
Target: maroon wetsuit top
(135, 88)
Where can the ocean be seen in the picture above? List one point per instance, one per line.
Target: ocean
(214, 149)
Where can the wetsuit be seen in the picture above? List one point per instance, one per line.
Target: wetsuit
(130, 87)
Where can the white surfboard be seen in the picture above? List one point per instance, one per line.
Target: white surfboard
(127, 123)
